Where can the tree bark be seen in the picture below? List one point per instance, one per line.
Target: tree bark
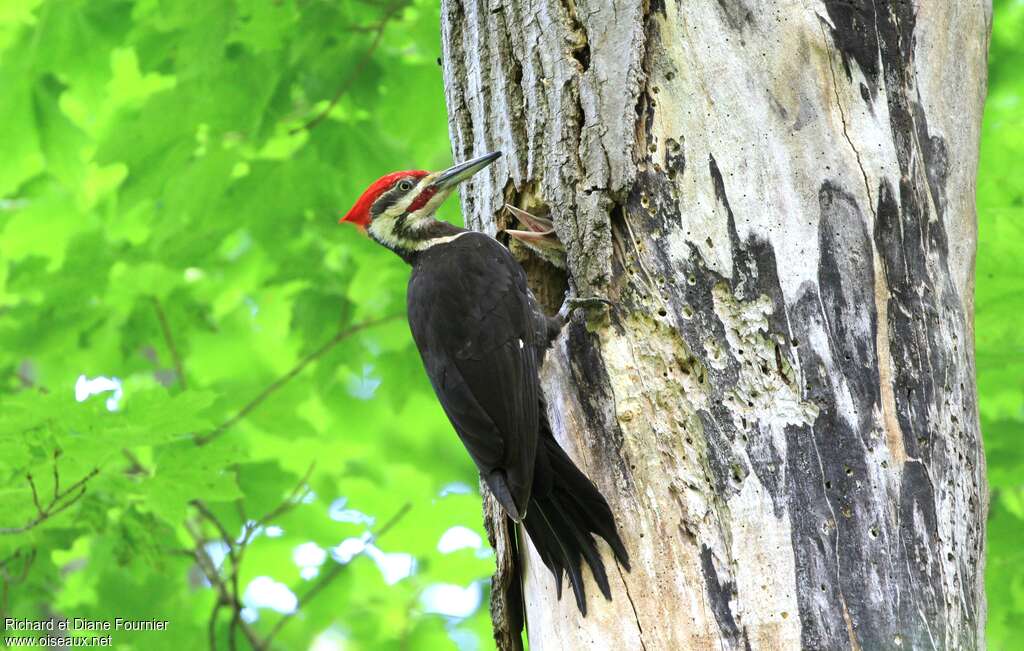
(781, 407)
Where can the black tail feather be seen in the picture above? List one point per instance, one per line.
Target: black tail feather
(585, 543)
(562, 520)
(566, 556)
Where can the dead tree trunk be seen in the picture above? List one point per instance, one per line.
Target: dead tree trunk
(781, 408)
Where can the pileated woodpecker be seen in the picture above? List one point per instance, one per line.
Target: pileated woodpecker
(482, 337)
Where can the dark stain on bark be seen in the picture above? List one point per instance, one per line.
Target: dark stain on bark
(840, 527)
(924, 315)
(847, 280)
(593, 386)
(736, 13)
(841, 532)
(936, 160)
(720, 594)
(719, 183)
(854, 33)
(653, 204)
(813, 518)
(922, 571)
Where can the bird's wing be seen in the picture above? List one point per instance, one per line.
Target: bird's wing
(470, 317)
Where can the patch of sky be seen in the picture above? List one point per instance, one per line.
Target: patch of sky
(86, 386)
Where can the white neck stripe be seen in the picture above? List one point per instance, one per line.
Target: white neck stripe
(426, 244)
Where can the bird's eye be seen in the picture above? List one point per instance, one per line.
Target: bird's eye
(405, 185)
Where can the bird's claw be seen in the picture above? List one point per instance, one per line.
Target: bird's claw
(587, 302)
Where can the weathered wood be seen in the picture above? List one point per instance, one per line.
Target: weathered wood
(781, 410)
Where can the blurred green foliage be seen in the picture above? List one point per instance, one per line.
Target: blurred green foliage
(170, 179)
(999, 302)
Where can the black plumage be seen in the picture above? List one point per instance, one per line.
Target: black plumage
(482, 338)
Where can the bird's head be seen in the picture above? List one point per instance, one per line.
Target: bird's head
(397, 210)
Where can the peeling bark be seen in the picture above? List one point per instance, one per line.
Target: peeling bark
(781, 409)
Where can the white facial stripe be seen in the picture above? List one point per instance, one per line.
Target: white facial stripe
(383, 226)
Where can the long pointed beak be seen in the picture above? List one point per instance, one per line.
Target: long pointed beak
(458, 173)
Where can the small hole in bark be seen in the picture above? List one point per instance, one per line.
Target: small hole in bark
(662, 312)
(582, 54)
(873, 531)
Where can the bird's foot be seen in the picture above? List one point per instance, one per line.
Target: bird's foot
(586, 302)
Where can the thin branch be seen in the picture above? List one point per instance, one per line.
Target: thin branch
(333, 573)
(56, 473)
(236, 619)
(136, 467)
(9, 580)
(224, 595)
(234, 554)
(35, 495)
(340, 336)
(212, 519)
(294, 499)
(395, 519)
(357, 69)
(60, 502)
(169, 340)
(211, 628)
